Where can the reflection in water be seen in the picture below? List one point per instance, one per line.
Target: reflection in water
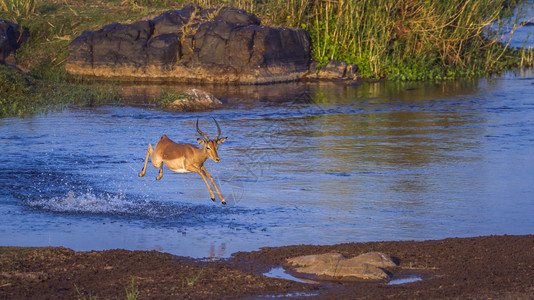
(315, 163)
(215, 254)
(232, 95)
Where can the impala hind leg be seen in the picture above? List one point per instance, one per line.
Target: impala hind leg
(214, 185)
(148, 153)
(160, 174)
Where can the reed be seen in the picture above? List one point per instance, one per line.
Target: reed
(410, 39)
(18, 7)
(527, 57)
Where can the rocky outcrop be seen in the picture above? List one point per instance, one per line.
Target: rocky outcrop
(11, 37)
(334, 266)
(193, 45)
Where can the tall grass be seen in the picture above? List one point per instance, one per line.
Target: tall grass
(18, 7)
(409, 39)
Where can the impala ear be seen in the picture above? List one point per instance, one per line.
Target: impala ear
(221, 140)
(201, 141)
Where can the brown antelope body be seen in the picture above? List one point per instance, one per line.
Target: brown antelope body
(185, 158)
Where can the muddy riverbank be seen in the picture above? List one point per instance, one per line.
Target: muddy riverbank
(482, 267)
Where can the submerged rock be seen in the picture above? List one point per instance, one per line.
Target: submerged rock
(193, 44)
(193, 100)
(334, 266)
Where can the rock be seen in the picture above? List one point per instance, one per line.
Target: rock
(225, 45)
(11, 37)
(338, 69)
(352, 71)
(334, 266)
(377, 259)
(193, 100)
(333, 69)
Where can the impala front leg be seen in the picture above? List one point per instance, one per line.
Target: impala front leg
(148, 153)
(207, 184)
(214, 185)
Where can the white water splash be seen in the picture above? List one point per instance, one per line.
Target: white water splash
(87, 202)
(106, 203)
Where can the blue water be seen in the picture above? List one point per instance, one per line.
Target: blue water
(523, 35)
(303, 163)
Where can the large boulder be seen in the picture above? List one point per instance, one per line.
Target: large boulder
(334, 266)
(192, 44)
(11, 37)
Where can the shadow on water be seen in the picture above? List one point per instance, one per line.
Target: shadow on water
(314, 163)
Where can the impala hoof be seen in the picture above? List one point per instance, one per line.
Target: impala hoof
(223, 202)
(213, 199)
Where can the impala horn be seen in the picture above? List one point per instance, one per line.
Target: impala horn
(202, 134)
(218, 129)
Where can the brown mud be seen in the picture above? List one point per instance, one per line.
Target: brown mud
(497, 267)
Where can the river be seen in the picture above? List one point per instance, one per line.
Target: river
(316, 163)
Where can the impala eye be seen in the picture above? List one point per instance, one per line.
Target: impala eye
(208, 147)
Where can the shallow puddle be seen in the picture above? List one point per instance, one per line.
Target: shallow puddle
(404, 279)
(279, 272)
(289, 295)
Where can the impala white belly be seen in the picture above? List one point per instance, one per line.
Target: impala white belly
(177, 165)
(180, 170)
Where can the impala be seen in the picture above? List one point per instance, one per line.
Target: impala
(185, 158)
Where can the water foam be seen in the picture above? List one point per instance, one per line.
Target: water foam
(88, 202)
(169, 213)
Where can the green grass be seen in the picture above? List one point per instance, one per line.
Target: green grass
(193, 280)
(82, 294)
(133, 292)
(35, 92)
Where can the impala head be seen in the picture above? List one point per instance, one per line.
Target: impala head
(211, 145)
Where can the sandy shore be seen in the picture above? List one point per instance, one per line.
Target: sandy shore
(497, 267)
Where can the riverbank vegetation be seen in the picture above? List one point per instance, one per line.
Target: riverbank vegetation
(412, 39)
(398, 40)
(45, 88)
(406, 40)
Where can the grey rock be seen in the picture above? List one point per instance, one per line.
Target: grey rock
(333, 70)
(225, 45)
(11, 37)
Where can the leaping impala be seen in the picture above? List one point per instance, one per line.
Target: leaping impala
(185, 158)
